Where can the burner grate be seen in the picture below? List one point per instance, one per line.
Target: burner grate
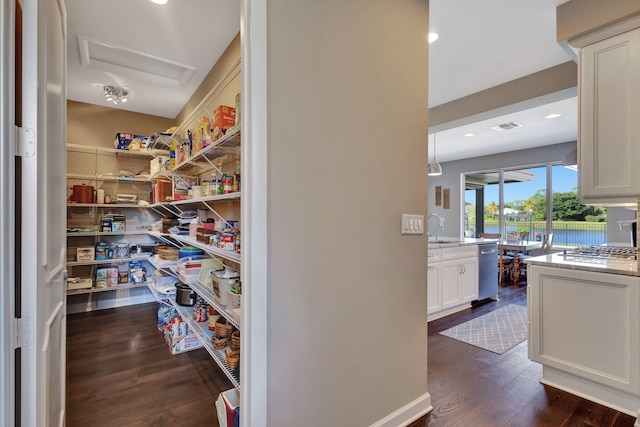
(603, 252)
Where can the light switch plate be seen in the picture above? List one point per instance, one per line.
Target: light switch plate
(412, 224)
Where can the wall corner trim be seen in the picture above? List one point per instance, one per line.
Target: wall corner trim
(407, 414)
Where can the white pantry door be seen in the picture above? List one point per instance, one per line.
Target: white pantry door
(42, 189)
(7, 215)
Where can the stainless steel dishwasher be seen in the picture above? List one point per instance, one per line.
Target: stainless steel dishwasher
(487, 271)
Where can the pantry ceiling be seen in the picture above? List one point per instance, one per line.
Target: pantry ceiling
(172, 47)
(159, 53)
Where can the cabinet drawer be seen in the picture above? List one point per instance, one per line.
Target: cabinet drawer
(434, 255)
(457, 252)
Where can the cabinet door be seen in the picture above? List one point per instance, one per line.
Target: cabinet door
(585, 324)
(450, 283)
(469, 279)
(433, 288)
(609, 139)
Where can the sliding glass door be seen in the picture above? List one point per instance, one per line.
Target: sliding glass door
(531, 201)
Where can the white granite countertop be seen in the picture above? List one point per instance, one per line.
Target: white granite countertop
(448, 242)
(613, 266)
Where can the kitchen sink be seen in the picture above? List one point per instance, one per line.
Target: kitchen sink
(441, 241)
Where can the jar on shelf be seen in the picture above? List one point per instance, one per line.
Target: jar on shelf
(227, 184)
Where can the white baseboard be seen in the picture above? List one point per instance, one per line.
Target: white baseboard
(582, 387)
(407, 414)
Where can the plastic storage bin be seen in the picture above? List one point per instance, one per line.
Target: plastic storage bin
(189, 267)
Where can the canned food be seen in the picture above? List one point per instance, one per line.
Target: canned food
(228, 241)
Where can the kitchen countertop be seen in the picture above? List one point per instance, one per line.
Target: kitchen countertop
(613, 266)
(449, 242)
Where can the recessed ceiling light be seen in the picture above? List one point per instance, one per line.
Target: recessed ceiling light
(552, 116)
(469, 134)
(159, 1)
(432, 37)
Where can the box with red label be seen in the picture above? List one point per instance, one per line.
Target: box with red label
(224, 117)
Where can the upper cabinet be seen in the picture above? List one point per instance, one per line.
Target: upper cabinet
(609, 115)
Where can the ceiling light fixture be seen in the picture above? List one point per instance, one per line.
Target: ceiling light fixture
(552, 116)
(115, 94)
(159, 1)
(434, 168)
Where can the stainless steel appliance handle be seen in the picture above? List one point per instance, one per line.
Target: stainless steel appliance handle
(487, 251)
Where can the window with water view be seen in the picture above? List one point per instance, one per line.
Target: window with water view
(536, 201)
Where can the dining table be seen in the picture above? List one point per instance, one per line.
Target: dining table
(517, 247)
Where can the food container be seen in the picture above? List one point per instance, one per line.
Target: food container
(227, 241)
(185, 296)
(187, 251)
(83, 193)
(221, 281)
(188, 268)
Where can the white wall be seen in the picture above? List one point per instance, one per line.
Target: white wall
(347, 331)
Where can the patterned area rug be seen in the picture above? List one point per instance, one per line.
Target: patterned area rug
(497, 331)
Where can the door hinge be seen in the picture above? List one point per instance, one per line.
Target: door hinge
(25, 142)
(24, 332)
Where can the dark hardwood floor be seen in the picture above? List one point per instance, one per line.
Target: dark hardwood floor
(120, 373)
(474, 387)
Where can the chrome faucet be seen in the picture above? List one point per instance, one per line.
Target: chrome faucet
(440, 224)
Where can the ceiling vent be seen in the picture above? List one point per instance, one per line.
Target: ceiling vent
(133, 64)
(506, 126)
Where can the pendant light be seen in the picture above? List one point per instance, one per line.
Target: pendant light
(434, 167)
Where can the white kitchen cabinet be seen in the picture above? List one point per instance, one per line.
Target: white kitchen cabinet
(459, 281)
(583, 329)
(609, 122)
(452, 280)
(468, 286)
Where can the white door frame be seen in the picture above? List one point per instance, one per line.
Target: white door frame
(253, 398)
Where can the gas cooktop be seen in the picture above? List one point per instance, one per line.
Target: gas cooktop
(602, 252)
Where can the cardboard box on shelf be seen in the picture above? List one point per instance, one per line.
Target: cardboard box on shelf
(85, 253)
(158, 164)
(107, 277)
(78, 283)
(128, 141)
(162, 191)
(102, 250)
(224, 117)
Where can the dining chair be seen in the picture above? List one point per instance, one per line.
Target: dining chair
(545, 249)
(547, 242)
(506, 265)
